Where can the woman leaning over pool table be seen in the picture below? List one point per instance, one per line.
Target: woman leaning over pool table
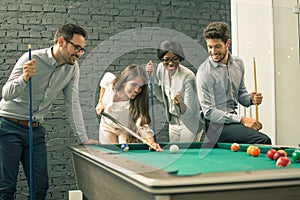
(125, 98)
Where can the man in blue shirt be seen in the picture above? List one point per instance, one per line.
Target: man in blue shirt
(51, 70)
(220, 87)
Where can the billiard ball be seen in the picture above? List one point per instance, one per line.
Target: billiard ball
(270, 154)
(235, 147)
(277, 155)
(124, 147)
(283, 161)
(249, 149)
(296, 155)
(254, 151)
(174, 148)
(283, 151)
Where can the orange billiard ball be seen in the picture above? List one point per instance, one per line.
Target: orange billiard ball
(235, 147)
(255, 151)
(249, 149)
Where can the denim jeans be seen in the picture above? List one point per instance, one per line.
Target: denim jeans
(14, 148)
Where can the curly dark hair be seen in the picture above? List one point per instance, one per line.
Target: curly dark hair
(170, 46)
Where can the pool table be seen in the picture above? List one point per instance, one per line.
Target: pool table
(196, 171)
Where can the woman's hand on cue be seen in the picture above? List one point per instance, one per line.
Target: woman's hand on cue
(149, 68)
(157, 147)
(99, 108)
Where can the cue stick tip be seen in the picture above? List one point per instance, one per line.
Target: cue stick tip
(29, 46)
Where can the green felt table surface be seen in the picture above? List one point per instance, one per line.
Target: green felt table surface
(193, 159)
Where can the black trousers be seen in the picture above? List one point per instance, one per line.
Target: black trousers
(234, 132)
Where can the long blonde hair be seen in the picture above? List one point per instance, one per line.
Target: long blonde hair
(139, 106)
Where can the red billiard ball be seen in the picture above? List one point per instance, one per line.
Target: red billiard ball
(255, 151)
(277, 155)
(283, 161)
(235, 147)
(296, 155)
(270, 154)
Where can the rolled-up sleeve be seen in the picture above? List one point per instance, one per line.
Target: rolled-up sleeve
(15, 84)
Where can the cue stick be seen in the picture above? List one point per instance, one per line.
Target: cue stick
(152, 106)
(255, 86)
(30, 134)
(128, 130)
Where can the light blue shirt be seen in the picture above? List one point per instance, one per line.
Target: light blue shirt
(47, 83)
(220, 88)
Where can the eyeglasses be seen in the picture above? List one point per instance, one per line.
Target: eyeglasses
(77, 47)
(168, 60)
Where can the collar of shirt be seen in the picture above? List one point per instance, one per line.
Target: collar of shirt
(177, 71)
(219, 64)
(52, 60)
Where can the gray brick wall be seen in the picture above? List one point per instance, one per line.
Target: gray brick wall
(120, 32)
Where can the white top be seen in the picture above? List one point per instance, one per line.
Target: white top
(182, 81)
(119, 110)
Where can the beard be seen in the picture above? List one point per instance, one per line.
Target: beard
(71, 60)
(219, 57)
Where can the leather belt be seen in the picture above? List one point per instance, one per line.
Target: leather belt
(23, 122)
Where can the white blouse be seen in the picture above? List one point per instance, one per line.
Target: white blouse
(119, 110)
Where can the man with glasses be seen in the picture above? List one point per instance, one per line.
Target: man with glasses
(51, 71)
(77, 48)
(176, 88)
